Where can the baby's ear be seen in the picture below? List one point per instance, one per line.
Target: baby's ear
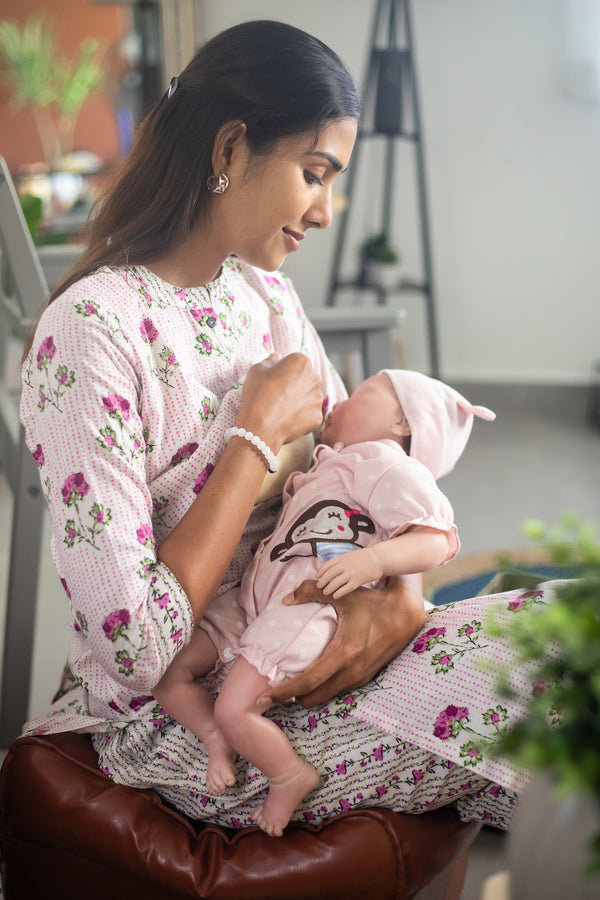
(401, 429)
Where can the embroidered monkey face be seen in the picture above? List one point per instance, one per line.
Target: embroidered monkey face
(326, 521)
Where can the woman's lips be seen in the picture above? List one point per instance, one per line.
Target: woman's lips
(293, 238)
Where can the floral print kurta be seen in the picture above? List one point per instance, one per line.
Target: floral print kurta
(127, 393)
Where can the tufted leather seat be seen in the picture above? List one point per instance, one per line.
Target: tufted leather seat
(69, 832)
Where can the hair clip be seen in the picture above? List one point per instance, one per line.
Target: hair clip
(174, 84)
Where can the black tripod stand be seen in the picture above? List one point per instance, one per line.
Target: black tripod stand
(391, 84)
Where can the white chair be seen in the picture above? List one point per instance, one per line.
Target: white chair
(22, 290)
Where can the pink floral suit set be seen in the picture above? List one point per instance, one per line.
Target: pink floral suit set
(128, 391)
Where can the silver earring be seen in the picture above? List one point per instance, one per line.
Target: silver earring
(217, 184)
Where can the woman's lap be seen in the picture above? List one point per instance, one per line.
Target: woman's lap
(412, 740)
(360, 766)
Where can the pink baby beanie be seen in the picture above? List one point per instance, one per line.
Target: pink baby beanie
(440, 418)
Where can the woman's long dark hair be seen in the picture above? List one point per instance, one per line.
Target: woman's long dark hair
(277, 79)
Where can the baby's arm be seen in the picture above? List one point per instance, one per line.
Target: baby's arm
(417, 550)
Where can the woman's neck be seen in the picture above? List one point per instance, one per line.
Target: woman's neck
(191, 264)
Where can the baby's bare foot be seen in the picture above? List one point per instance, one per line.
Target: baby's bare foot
(220, 771)
(285, 793)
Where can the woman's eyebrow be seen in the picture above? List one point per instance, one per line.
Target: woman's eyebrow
(333, 160)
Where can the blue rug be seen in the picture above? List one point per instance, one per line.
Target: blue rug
(475, 585)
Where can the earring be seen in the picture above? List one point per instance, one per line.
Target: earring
(217, 184)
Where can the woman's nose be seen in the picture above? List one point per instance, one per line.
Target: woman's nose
(320, 214)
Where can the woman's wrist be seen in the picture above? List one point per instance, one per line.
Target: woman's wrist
(255, 441)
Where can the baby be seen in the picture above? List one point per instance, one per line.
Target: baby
(368, 509)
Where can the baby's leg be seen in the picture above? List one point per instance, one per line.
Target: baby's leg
(263, 744)
(189, 702)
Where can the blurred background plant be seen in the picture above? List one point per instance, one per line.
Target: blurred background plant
(560, 642)
(43, 80)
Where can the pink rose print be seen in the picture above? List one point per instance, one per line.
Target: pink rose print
(450, 721)
(184, 453)
(428, 639)
(206, 316)
(381, 791)
(46, 353)
(117, 406)
(38, 456)
(136, 703)
(202, 478)
(378, 753)
(148, 331)
(162, 601)
(74, 489)
(341, 768)
(145, 536)
(126, 663)
(345, 805)
(417, 775)
(115, 623)
(516, 604)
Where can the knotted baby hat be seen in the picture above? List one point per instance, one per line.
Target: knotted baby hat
(440, 419)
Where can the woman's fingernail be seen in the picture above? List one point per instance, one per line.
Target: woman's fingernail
(264, 702)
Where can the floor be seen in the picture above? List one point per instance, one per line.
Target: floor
(537, 460)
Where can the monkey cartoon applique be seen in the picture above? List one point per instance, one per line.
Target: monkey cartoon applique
(326, 529)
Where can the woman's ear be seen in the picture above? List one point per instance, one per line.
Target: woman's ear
(229, 147)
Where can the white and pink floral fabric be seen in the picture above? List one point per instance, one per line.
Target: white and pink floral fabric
(127, 393)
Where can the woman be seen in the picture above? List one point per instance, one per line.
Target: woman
(168, 333)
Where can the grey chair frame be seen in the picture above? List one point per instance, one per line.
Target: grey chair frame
(22, 290)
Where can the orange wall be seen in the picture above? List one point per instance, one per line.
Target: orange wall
(74, 20)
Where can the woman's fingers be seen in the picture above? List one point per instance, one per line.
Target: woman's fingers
(373, 627)
(283, 397)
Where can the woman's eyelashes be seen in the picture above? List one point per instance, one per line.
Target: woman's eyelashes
(311, 178)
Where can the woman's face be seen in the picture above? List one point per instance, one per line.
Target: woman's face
(272, 201)
(371, 413)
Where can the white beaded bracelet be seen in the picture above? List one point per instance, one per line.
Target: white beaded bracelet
(257, 442)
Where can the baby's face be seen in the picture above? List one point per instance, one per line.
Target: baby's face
(371, 413)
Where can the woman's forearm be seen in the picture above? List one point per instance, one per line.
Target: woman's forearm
(200, 547)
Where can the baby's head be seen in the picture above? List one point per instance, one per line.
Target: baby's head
(430, 420)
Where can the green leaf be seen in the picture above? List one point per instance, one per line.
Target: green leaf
(33, 210)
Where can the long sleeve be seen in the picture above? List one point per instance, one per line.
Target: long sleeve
(82, 408)
(127, 394)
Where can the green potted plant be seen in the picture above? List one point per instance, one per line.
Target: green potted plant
(42, 79)
(381, 262)
(555, 844)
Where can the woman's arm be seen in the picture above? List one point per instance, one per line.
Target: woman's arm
(414, 551)
(281, 401)
(374, 626)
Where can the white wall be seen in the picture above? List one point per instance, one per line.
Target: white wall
(513, 164)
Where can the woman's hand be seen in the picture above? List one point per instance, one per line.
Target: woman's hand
(281, 399)
(373, 627)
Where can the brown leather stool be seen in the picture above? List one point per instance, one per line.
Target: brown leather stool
(69, 832)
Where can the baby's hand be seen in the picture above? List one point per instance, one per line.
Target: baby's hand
(343, 574)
